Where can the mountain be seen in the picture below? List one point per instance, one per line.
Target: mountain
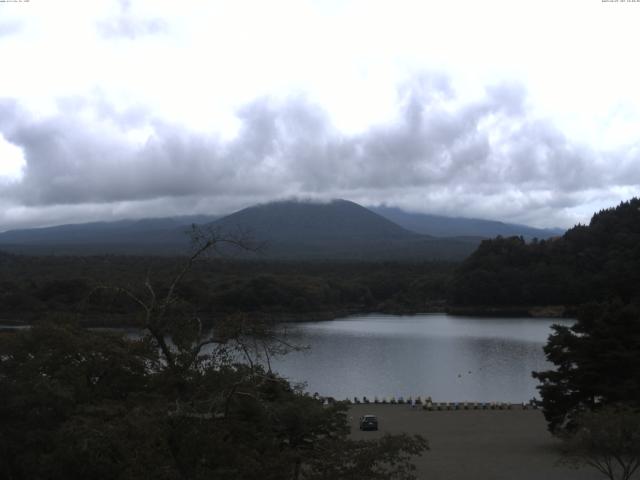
(337, 229)
(289, 230)
(441, 226)
(314, 222)
(150, 235)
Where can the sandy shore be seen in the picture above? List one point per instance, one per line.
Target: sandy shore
(476, 444)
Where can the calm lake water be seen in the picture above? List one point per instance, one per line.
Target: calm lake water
(449, 358)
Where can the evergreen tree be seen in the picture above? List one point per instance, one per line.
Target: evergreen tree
(597, 363)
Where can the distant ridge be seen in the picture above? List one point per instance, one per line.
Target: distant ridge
(149, 235)
(442, 226)
(116, 231)
(338, 229)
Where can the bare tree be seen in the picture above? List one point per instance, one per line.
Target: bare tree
(179, 336)
(607, 440)
(184, 343)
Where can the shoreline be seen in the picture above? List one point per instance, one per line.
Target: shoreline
(531, 311)
(93, 320)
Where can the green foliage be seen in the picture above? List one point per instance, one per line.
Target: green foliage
(388, 458)
(597, 363)
(82, 404)
(33, 286)
(51, 376)
(594, 262)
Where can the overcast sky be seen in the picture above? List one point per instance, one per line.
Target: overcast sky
(521, 111)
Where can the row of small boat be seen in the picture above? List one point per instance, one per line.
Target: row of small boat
(428, 404)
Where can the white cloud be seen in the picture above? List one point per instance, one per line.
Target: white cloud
(12, 162)
(153, 102)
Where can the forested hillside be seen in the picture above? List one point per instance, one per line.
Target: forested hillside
(35, 287)
(595, 262)
(588, 263)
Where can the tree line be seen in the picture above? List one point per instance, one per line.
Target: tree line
(33, 287)
(599, 261)
(591, 398)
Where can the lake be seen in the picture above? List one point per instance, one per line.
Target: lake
(449, 358)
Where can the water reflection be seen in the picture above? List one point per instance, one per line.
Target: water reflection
(448, 358)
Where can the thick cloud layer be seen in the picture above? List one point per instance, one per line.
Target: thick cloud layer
(490, 157)
(9, 27)
(126, 24)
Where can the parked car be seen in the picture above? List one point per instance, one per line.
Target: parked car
(368, 422)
